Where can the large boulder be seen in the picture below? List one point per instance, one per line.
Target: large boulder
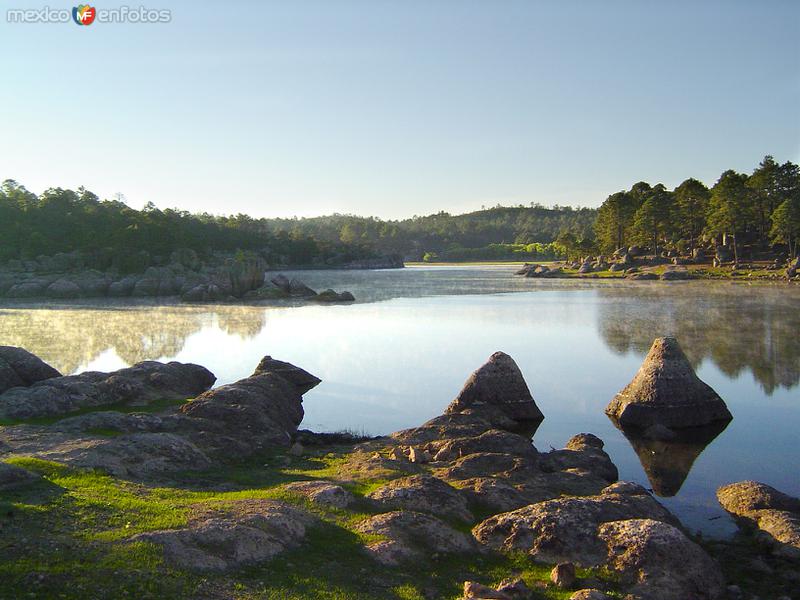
(281, 282)
(583, 454)
(245, 417)
(300, 289)
(137, 455)
(63, 289)
(323, 493)
(410, 536)
(244, 533)
(138, 385)
(156, 281)
(637, 276)
(498, 385)
(124, 287)
(565, 529)
(776, 515)
(423, 493)
(667, 391)
(654, 559)
(32, 288)
(18, 367)
(675, 275)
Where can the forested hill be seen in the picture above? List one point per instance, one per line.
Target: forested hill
(755, 213)
(498, 232)
(62, 220)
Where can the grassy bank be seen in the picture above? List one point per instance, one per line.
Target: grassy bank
(69, 536)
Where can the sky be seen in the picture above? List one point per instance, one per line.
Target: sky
(397, 108)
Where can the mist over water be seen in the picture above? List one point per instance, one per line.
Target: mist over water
(400, 354)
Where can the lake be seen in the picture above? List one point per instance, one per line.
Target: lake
(400, 354)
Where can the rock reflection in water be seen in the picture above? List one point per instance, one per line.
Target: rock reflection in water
(667, 463)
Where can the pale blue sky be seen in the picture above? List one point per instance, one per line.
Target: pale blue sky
(398, 108)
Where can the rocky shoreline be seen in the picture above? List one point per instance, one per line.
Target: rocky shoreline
(183, 276)
(633, 264)
(463, 506)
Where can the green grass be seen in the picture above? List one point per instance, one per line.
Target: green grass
(68, 536)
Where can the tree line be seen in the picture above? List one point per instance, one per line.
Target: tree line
(761, 209)
(110, 233)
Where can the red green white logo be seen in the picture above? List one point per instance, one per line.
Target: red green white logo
(83, 14)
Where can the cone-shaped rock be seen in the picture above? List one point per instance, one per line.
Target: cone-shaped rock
(498, 387)
(667, 391)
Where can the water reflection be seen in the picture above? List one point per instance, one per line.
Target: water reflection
(739, 328)
(70, 338)
(667, 463)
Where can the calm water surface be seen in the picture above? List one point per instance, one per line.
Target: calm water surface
(398, 356)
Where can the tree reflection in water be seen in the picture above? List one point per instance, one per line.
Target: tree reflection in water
(72, 337)
(738, 328)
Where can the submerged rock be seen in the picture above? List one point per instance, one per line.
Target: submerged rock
(498, 386)
(776, 515)
(667, 391)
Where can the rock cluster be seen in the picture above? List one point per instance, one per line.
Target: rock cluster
(138, 385)
(539, 271)
(184, 275)
(564, 506)
(226, 423)
(282, 287)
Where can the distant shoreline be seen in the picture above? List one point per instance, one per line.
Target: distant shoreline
(747, 272)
